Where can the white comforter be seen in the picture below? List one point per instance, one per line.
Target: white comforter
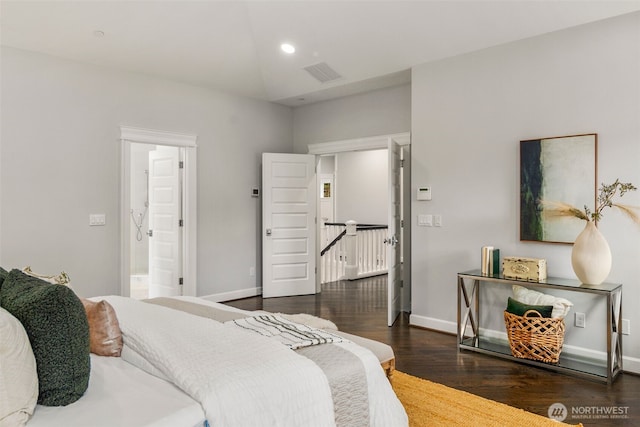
(240, 378)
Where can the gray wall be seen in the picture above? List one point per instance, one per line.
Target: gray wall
(380, 112)
(60, 161)
(469, 114)
(362, 187)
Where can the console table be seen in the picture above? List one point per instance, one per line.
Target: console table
(469, 337)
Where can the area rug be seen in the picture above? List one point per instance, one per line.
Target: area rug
(431, 404)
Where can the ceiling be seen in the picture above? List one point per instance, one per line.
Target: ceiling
(234, 46)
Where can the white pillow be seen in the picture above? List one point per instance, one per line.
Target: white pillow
(18, 375)
(561, 306)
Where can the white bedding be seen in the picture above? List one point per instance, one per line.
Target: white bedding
(241, 378)
(121, 395)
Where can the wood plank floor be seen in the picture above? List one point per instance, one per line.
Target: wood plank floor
(359, 307)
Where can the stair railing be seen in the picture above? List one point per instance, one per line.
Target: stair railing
(352, 251)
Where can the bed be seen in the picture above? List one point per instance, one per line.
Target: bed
(180, 368)
(120, 394)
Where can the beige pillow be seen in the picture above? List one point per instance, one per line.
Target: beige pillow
(60, 279)
(18, 374)
(104, 331)
(561, 306)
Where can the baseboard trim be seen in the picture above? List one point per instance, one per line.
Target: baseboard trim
(432, 323)
(630, 364)
(229, 296)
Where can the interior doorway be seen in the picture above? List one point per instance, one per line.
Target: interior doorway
(158, 213)
(401, 295)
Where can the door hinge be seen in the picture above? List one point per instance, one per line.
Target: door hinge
(181, 164)
(180, 223)
(181, 281)
(402, 163)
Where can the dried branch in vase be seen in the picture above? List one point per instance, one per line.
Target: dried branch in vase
(553, 209)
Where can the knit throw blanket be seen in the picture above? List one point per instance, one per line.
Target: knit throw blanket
(293, 335)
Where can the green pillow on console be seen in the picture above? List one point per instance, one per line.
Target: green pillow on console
(518, 308)
(56, 323)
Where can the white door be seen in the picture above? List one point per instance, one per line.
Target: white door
(165, 239)
(288, 224)
(393, 240)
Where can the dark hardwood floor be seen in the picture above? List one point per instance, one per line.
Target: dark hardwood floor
(360, 307)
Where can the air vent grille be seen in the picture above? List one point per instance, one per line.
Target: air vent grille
(322, 72)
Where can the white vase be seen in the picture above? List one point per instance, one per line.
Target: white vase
(591, 256)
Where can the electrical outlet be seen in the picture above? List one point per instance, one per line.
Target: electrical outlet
(580, 320)
(626, 327)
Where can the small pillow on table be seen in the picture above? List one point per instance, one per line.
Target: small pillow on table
(561, 306)
(56, 323)
(104, 330)
(519, 309)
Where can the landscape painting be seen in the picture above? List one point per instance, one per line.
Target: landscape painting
(559, 170)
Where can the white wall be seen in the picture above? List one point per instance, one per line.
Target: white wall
(469, 114)
(362, 187)
(381, 112)
(60, 161)
(139, 240)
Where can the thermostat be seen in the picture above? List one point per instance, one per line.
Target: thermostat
(424, 193)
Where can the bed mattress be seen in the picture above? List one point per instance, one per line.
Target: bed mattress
(122, 395)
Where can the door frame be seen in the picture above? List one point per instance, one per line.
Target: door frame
(132, 135)
(364, 144)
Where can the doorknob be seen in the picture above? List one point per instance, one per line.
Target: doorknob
(393, 240)
(268, 232)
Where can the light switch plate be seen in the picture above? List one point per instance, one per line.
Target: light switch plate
(97, 219)
(425, 220)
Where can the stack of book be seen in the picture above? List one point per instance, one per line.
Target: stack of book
(490, 260)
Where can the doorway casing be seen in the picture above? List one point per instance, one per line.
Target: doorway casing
(377, 143)
(131, 135)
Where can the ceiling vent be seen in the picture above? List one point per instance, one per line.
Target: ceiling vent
(322, 72)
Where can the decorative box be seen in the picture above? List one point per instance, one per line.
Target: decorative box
(530, 269)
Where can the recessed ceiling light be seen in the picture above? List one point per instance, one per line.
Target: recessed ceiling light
(287, 48)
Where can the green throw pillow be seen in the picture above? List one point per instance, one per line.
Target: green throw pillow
(519, 309)
(3, 274)
(57, 326)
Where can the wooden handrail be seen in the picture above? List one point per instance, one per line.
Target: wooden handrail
(336, 240)
(341, 235)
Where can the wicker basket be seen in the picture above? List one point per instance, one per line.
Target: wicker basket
(535, 337)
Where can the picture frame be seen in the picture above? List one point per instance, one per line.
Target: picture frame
(555, 171)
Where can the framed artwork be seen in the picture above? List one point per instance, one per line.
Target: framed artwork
(555, 172)
(326, 189)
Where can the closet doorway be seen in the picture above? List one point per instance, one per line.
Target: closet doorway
(158, 214)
